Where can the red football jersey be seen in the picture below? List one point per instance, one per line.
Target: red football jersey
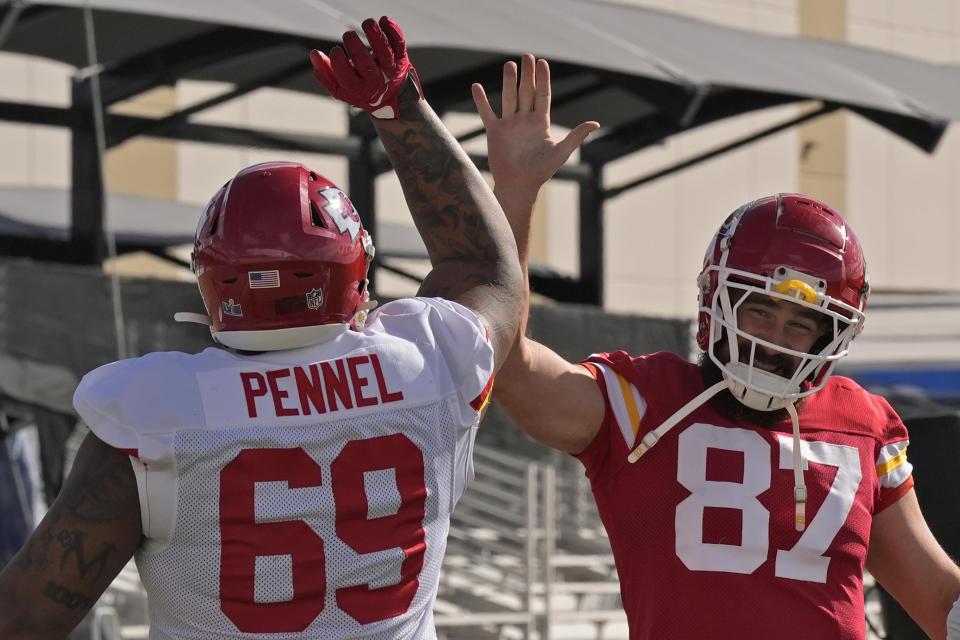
(702, 526)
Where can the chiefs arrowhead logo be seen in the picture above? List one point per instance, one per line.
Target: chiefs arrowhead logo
(341, 211)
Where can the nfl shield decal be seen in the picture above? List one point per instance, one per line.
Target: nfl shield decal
(314, 298)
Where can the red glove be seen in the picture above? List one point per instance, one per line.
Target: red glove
(370, 81)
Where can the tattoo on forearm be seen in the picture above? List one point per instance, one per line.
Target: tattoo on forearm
(65, 597)
(102, 493)
(72, 545)
(36, 554)
(492, 310)
(108, 492)
(432, 182)
(457, 216)
(54, 543)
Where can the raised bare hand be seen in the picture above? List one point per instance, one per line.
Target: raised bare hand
(522, 152)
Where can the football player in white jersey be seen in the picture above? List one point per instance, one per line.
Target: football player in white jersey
(295, 481)
(745, 496)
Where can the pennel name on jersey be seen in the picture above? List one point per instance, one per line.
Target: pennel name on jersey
(317, 388)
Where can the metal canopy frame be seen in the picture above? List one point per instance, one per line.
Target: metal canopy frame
(672, 108)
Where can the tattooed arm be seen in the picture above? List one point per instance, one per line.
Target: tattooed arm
(469, 241)
(84, 541)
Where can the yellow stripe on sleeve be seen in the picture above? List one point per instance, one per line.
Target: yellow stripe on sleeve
(627, 406)
(886, 467)
(626, 390)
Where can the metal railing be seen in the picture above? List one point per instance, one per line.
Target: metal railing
(527, 555)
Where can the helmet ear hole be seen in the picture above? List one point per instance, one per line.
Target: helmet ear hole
(315, 216)
(214, 223)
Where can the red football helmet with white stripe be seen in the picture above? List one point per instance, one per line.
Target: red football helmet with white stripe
(790, 247)
(281, 258)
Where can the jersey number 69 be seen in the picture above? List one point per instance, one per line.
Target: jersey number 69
(244, 539)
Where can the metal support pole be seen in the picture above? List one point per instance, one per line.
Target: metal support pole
(9, 20)
(531, 549)
(549, 542)
(87, 242)
(591, 234)
(362, 182)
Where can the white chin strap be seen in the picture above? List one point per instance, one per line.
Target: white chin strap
(651, 438)
(764, 392)
(189, 316)
(799, 487)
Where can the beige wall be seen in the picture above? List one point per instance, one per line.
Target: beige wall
(903, 200)
(823, 142)
(203, 168)
(656, 234)
(33, 155)
(145, 166)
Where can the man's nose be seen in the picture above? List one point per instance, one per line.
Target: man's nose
(772, 332)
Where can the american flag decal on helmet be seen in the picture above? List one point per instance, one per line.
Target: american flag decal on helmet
(264, 279)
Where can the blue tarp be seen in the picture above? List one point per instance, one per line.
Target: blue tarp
(19, 475)
(938, 382)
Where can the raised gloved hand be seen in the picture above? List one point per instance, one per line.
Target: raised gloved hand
(369, 80)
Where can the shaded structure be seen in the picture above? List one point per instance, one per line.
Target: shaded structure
(634, 69)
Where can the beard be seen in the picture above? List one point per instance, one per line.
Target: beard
(727, 405)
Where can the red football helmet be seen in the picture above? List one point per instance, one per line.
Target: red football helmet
(789, 247)
(281, 258)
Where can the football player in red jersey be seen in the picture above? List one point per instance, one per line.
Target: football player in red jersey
(299, 482)
(744, 495)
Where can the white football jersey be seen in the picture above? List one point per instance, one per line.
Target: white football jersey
(303, 493)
